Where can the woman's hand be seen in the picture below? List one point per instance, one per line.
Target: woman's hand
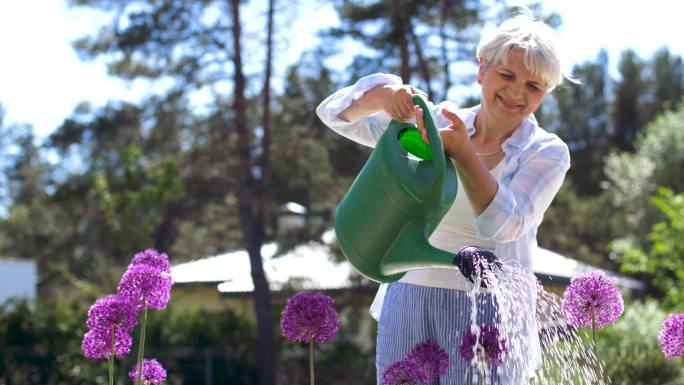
(398, 101)
(454, 137)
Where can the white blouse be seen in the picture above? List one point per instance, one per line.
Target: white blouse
(455, 231)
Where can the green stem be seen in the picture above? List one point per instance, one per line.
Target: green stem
(311, 361)
(593, 335)
(142, 343)
(482, 374)
(111, 359)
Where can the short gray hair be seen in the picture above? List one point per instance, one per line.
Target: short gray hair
(537, 41)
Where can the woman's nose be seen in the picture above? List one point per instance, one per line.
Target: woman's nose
(516, 90)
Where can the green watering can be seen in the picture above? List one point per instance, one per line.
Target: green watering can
(384, 221)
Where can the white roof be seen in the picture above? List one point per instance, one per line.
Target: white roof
(547, 262)
(313, 265)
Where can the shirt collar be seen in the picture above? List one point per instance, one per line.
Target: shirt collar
(520, 136)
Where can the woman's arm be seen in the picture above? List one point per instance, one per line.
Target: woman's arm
(394, 99)
(478, 183)
(362, 112)
(505, 213)
(520, 206)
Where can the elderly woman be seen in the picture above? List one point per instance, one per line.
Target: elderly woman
(509, 168)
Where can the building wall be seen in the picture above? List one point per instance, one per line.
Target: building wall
(18, 279)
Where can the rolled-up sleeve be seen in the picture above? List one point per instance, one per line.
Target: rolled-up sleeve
(520, 205)
(366, 131)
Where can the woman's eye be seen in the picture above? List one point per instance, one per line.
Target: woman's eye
(506, 76)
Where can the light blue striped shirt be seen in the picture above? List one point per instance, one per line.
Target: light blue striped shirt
(535, 164)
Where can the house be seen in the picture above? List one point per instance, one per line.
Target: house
(18, 279)
(225, 280)
(312, 267)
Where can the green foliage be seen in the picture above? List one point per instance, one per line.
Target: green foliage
(410, 38)
(581, 121)
(631, 351)
(42, 345)
(634, 178)
(663, 259)
(339, 362)
(133, 207)
(581, 227)
(184, 339)
(668, 76)
(629, 114)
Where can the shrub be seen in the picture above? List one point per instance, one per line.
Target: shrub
(631, 351)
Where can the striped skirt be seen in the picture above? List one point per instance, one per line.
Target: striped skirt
(412, 314)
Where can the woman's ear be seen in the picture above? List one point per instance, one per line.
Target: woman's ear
(481, 70)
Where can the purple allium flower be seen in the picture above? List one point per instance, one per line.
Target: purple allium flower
(153, 373)
(97, 343)
(468, 341)
(489, 347)
(404, 372)
(146, 285)
(432, 358)
(672, 336)
(152, 257)
(112, 311)
(309, 315)
(592, 296)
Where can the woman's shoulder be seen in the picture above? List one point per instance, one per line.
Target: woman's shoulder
(548, 144)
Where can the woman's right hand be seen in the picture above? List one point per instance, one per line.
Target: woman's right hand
(398, 101)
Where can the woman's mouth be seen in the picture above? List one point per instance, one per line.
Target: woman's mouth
(508, 104)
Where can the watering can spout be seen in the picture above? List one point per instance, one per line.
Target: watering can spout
(411, 250)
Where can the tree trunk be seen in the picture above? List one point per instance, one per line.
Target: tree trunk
(424, 69)
(264, 206)
(400, 26)
(251, 219)
(444, 51)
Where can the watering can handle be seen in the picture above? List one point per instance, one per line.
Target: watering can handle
(436, 146)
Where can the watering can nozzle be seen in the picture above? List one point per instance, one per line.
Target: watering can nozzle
(473, 261)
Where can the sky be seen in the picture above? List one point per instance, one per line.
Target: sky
(42, 79)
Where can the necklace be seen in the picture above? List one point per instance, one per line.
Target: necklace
(485, 155)
(489, 153)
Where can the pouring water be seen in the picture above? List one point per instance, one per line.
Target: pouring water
(564, 357)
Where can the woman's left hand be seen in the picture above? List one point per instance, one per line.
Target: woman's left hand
(454, 137)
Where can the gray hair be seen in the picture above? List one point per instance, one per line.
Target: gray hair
(534, 38)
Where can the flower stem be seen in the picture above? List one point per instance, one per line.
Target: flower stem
(482, 374)
(593, 335)
(111, 359)
(311, 361)
(142, 343)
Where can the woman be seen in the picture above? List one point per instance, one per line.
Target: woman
(509, 168)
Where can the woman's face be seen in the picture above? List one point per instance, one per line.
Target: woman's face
(510, 91)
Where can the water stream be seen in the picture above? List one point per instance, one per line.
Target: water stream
(520, 300)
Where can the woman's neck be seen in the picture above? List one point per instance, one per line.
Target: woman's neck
(489, 130)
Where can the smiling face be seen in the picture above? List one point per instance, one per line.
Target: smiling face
(510, 91)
